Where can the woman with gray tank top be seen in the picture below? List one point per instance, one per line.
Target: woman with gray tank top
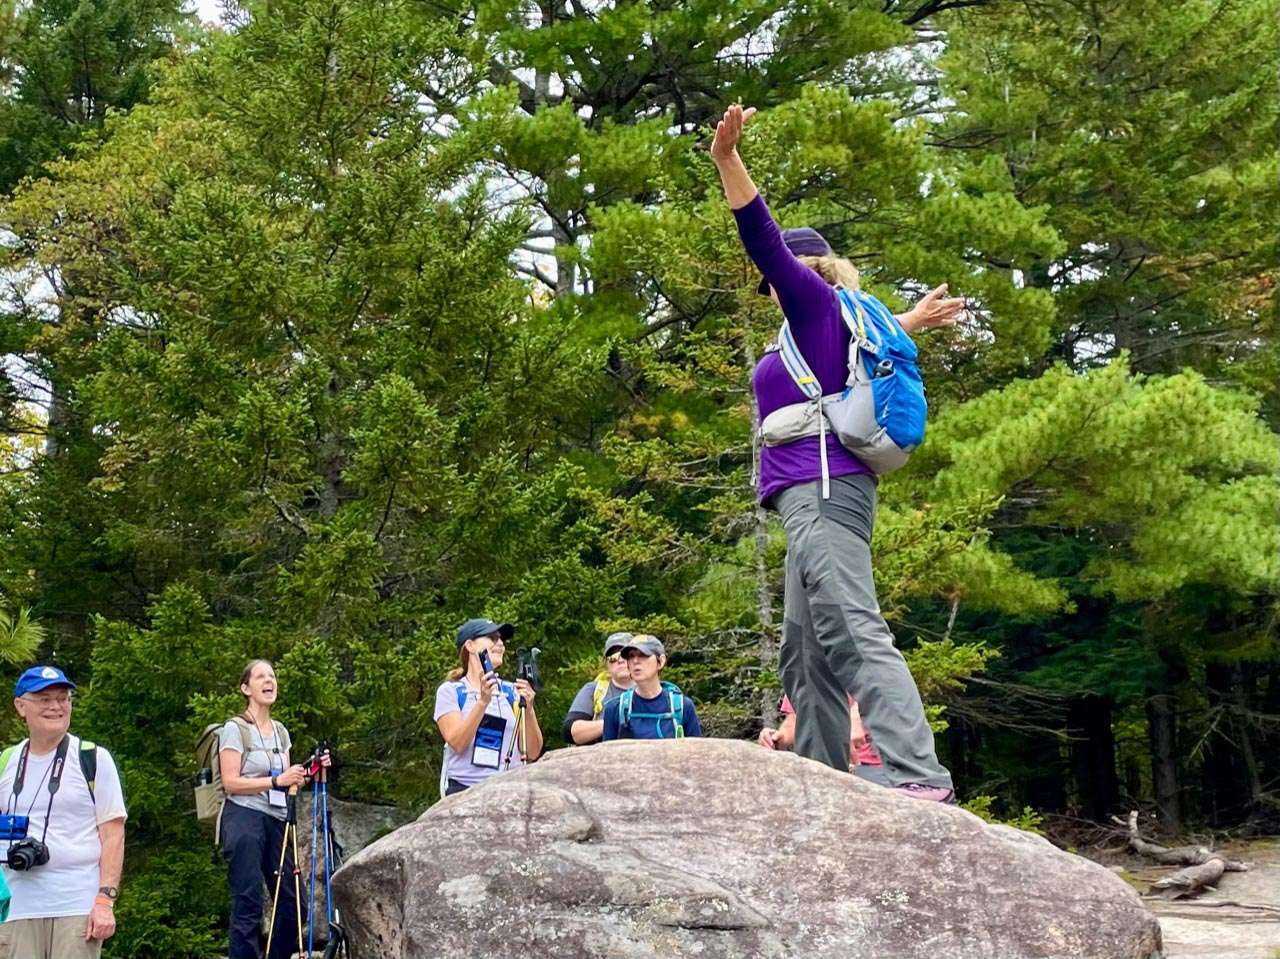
(835, 643)
(256, 780)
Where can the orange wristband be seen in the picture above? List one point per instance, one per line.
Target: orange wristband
(104, 901)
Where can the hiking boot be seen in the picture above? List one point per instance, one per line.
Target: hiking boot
(931, 793)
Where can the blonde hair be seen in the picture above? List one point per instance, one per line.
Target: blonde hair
(464, 660)
(836, 270)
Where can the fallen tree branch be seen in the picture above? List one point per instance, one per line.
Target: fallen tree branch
(1190, 881)
(1175, 856)
(1231, 904)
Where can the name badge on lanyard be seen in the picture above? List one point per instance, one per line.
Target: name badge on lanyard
(486, 752)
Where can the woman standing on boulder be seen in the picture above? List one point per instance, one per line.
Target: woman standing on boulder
(835, 643)
(477, 712)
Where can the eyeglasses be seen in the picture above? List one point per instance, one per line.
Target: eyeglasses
(49, 699)
(615, 659)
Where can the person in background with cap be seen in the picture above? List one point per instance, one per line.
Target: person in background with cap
(651, 709)
(585, 723)
(62, 908)
(476, 711)
(835, 643)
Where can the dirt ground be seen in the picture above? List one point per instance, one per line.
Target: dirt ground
(1209, 927)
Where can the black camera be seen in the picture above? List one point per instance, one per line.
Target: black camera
(27, 854)
(528, 667)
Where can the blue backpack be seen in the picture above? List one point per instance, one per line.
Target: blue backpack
(880, 415)
(675, 713)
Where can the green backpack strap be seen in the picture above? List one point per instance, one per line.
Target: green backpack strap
(675, 699)
(88, 766)
(6, 756)
(624, 708)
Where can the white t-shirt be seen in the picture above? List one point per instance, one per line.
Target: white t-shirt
(68, 883)
(459, 766)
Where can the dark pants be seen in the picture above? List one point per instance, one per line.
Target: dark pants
(836, 644)
(453, 786)
(251, 847)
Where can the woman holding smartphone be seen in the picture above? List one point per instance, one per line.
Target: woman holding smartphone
(488, 725)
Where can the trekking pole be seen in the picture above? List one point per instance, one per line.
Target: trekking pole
(311, 863)
(290, 831)
(328, 848)
(519, 720)
(297, 872)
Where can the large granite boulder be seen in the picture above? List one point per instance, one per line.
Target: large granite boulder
(717, 848)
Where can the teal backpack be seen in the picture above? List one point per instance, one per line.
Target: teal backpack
(675, 705)
(88, 766)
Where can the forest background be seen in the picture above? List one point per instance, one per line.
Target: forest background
(331, 327)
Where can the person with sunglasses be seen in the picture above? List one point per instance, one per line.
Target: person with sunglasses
(62, 827)
(487, 724)
(652, 708)
(585, 723)
(835, 643)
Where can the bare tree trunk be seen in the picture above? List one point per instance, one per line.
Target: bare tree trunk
(1162, 730)
(767, 650)
(1093, 754)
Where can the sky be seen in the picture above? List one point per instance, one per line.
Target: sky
(209, 11)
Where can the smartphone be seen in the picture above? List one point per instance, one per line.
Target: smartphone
(485, 662)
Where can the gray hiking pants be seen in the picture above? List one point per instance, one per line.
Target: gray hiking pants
(835, 643)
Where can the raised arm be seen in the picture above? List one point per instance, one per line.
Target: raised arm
(801, 292)
(739, 190)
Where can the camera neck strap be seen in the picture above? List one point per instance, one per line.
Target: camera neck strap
(54, 774)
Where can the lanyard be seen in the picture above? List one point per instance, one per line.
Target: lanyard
(263, 743)
(54, 774)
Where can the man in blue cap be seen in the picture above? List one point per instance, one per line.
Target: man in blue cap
(62, 835)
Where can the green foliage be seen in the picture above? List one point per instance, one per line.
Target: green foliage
(172, 893)
(20, 636)
(1027, 819)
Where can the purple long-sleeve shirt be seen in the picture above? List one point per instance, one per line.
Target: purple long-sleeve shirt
(811, 306)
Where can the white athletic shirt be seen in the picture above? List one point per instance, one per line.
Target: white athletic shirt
(68, 883)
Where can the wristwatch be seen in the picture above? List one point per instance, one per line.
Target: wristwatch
(111, 892)
(274, 784)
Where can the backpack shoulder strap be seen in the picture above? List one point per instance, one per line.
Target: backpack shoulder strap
(675, 699)
(460, 693)
(510, 690)
(855, 318)
(597, 698)
(283, 739)
(624, 708)
(796, 365)
(89, 766)
(245, 739)
(6, 756)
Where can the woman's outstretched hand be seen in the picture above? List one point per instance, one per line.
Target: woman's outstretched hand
(729, 131)
(935, 310)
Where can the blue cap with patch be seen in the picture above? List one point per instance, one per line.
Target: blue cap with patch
(41, 677)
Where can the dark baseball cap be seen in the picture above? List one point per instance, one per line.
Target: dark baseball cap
(649, 645)
(616, 641)
(801, 241)
(41, 677)
(475, 628)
